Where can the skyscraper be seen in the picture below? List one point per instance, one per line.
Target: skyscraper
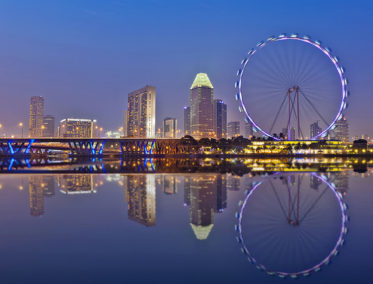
(186, 120)
(341, 130)
(234, 129)
(169, 127)
(48, 126)
(36, 116)
(201, 107)
(141, 113)
(220, 119)
(315, 129)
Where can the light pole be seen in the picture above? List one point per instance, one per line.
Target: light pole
(21, 125)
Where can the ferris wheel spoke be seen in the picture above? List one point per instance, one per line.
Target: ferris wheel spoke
(277, 114)
(278, 198)
(314, 204)
(314, 108)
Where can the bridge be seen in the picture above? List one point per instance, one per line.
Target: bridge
(91, 147)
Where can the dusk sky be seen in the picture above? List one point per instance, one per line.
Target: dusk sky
(84, 57)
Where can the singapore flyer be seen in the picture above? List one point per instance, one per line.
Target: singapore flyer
(291, 225)
(289, 84)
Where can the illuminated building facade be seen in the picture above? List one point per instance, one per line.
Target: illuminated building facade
(48, 126)
(234, 129)
(249, 130)
(76, 128)
(141, 113)
(186, 120)
(140, 195)
(206, 195)
(341, 130)
(201, 107)
(36, 116)
(169, 127)
(315, 129)
(77, 184)
(220, 119)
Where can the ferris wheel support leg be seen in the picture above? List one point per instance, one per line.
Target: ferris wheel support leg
(298, 116)
(289, 114)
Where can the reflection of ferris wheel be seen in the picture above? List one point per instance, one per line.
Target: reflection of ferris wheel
(288, 83)
(287, 228)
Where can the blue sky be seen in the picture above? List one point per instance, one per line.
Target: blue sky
(84, 57)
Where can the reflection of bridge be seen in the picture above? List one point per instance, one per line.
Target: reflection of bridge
(90, 146)
(36, 164)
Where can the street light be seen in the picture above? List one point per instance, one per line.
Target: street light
(42, 130)
(21, 125)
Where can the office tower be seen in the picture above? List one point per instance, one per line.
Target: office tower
(36, 116)
(48, 126)
(141, 113)
(341, 130)
(36, 192)
(206, 195)
(249, 130)
(186, 120)
(315, 129)
(125, 123)
(140, 195)
(76, 128)
(201, 107)
(234, 129)
(220, 119)
(169, 127)
(292, 133)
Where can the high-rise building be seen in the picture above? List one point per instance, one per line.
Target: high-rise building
(141, 113)
(48, 126)
(201, 107)
(234, 129)
(169, 127)
(249, 130)
(76, 128)
(220, 119)
(125, 123)
(140, 195)
(341, 130)
(206, 195)
(36, 116)
(315, 129)
(187, 120)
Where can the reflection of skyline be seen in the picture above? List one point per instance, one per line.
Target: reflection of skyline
(168, 184)
(140, 194)
(40, 186)
(205, 195)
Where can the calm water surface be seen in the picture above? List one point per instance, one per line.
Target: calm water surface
(186, 228)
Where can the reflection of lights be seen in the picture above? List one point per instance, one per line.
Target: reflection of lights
(20, 187)
(1, 186)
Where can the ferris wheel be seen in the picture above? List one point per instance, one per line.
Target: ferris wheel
(291, 225)
(292, 87)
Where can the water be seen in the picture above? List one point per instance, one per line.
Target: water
(183, 227)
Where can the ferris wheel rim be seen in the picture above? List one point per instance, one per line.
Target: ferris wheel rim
(315, 43)
(314, 268)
